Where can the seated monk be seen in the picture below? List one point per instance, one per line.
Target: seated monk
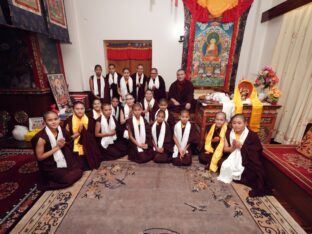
(244, 164)
(82, 131)
(57, 165)
(163, 105)
(149, 105)
(157, 84)
(162, 139)
(181, 94)
(185, 135)
(96, 111)
(140, 149)
(110, 135)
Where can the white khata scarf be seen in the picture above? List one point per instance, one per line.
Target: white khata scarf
(139, 134)
(123, 86)
(166, 114)
(160, 141)
(95, 86)
(146, 104)
(182, 139)
(58, 156)
(115, 113)
(153, 83)
(105, 128)
(127, 111)
(112, 80)
(96, 115)
(232, 167)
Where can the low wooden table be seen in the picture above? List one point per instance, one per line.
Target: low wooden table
(205, 115)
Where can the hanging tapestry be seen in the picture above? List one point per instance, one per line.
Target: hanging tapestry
(27, 15)
(56, 20)
(213, 44)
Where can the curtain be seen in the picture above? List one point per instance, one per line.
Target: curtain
(292, 60)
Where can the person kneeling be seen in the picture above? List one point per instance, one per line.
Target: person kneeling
(162, 139)
(109, 132)
(139, 130)
(185, 135)
(57, 164)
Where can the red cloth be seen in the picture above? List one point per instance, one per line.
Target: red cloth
(18, 175)
(129, 53)
(294, 165)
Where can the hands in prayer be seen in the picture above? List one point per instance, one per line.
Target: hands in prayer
(236, 145)
(215, 139)
(60, 143)
(182, 152)
(143, 146)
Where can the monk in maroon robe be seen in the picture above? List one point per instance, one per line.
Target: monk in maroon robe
(139, 79)
(140, 150)
(149, 105)
(157, 84)
(110, 135)
(96, 110)
(163, 105)
(254, 174)
(162, 139)
(181, 94)
(100, 87)
(53, 174)
(113, 79)
(183, 153)
(86, 149)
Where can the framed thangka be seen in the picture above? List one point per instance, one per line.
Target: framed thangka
(211, 53)
(60, 92)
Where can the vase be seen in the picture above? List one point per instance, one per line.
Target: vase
(262, 95)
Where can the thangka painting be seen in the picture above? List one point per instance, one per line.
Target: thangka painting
(60, 91)
(212, 44)
(56, 12)
(28, 5)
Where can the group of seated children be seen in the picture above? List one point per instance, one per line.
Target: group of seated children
(144, 131)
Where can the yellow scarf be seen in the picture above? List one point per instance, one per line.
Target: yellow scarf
(76, 122)
(217, 7)
(256, 111)
(217, 153)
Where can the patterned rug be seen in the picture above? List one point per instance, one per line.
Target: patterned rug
(18, 185)
(294, 165)
(123, 197)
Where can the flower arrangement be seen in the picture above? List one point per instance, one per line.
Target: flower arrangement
(266, 78)
(273, 95)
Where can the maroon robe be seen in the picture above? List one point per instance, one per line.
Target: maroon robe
(51, 176)
(151, 112)
(183, 92)
(114, 87)
(133, 153)
(171, 121)
(91, 114)
(254, 174)
(117, 117)
(116, 150)
(166, 156)
(161, 91)
(91, 159)
(106, 98)
(139, 92)
(193, 141)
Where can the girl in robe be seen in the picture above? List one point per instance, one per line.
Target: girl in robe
(139, 79)
(162, 139)
(163, 105)
(185, 135)
(96, 111)
(149, 105)
(116, 108)
(126, 85)
(57, 165)
(109, 133)
(212, 151)
(140, 147)
(82, 131)
(126, 113)
(99, 85)
(244, 164)
(113, 80)
(157, 84)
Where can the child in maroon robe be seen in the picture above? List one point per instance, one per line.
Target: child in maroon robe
(82, 131)
(157, 84)
(116, 108)
(149, 105)
(96, 111)
(162, 139)
(99, 85)
(113, 79)
(248, 144)
(57, 165)
(185, 136)
(139, 79)
(109, 134)
(163, 105)
(140, 147)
